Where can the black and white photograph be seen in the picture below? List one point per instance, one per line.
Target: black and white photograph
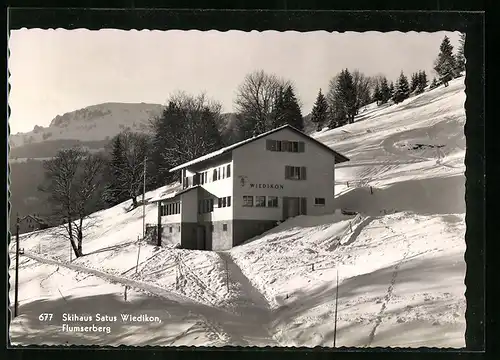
(230, 188)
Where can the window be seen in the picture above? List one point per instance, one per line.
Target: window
(260, 201)
(170, 209)
(224, 172)
(219, 204)
(205, 206)
(295, 172)
(272, 201)
(285, 146)
(224, 227)
(170, 229)
(247, 200)
(224, 202)
(319, 201)
(214, 175)
(228, 170)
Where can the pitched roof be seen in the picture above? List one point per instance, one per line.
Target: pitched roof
(339, 158)
(173, 194)
(36, 218)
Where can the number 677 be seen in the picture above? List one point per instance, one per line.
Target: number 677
(45, 317)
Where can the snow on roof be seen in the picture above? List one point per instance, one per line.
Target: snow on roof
(171, 195)
(338, 157)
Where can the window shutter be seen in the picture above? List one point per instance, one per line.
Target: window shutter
(302, 146)
(287, 172)
(269, 145)
(303, 175)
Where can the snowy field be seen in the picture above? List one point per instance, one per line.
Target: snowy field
(400, 260)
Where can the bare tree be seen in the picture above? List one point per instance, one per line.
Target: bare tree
(72, 179)
(363, 88)
(257, 100)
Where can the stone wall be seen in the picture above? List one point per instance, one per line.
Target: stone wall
(222, 239)
(170, 234)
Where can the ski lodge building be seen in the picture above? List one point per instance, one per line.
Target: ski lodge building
(243, 190)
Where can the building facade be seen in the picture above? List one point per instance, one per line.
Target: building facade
(30, 223)
(243, 190)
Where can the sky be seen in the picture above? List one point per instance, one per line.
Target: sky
(53, 72)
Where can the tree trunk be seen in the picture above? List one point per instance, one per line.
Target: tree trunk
(80, 239)
(70, 230)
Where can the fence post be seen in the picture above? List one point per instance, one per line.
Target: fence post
(371, 190)
(125, 293)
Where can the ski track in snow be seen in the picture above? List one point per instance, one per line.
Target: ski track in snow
(390, 290)
(405, 173)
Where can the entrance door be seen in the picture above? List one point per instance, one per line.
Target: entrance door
(294, 206)
(200, 238)
(291, 207)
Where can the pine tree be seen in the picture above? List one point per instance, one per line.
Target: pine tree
(445, 65)
(287, 109)
(460, 56)
(346, 97)
(422, 82)
(377, 95)
(414, 82)
(113, 193)
(319, 111)
(391, 90)
(385, 91)
(402, 90)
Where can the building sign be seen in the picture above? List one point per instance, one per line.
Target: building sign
(244, 181)
(267, 186)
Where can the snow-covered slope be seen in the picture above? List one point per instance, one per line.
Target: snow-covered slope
(400, 261)
(92, 123)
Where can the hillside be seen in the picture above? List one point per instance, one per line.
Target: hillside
(400, 260)
(91, 124)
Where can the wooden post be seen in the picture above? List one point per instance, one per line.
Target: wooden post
(371, 190)
(336, 306)
(16, 298)
(125, 293)
(144, 201)
(138, 253)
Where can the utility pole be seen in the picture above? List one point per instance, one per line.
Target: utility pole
(17, 269)
(144, 201)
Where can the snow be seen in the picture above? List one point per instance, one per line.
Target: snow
(400, 260)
